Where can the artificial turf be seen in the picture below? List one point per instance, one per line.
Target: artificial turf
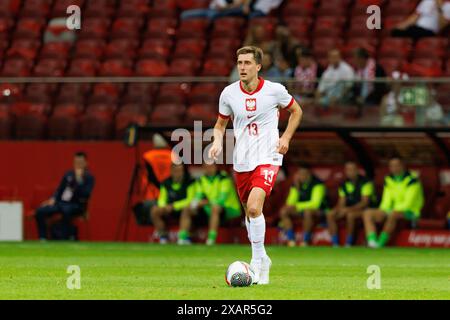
(34, 270)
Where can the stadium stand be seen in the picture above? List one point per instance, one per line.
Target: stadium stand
(146, 38)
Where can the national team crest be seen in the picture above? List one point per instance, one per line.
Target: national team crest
(250, 104)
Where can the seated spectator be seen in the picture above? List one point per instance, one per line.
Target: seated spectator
(307, 199)
(256, 36)
(261, 8)
(306, 73)
(430, 17)
(70, 199)
(269, 69)
(402, 199)
(285, 44)
(334, 86)
(391, 106)
(367, 69)
(285, 69)
(217, 8)
(356, 193)
(175, 197)
(216, 198)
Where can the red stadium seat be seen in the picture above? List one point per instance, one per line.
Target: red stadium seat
(49, 68)
(189, 48)
(94, 28)
(163, 8)
(116, 67)
(72, 92)
(29, 28)
(358, 28)
(304, 8)
(160, 27)
(192, 28)
(223, 48)
(16, 67)
(54, 50)
(59, 8)
(35, 8)
(205, 93)
(228, 27)
(63, 124)
(333, 8)
(9, 8)
(390, 23)
(169, 114)
(183, 67)
(125, 118)
(424, 67)
(399, 7)
(30, 126)
(96, 125)
(205, 113)
(140, 93)
(151, 68)
(40, 92)
(192, 4)
(172, 93)
(431, 48)
(360, 7)
(83, 67)
(121, 48)
(126, 28)
(395, 48)
(329, 26)
(89, 48)
(24, 48)
(99, 8)
(216, 67)
(133, 9)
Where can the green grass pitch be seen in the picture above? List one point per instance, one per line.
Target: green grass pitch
(33, 270)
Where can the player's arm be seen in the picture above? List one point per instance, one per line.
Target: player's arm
(341, 200)
(219, 131)
(317, 195)
(294, 121)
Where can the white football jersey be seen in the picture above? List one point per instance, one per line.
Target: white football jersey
(255, 122)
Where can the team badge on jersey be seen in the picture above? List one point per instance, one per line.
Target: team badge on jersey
(250, 104)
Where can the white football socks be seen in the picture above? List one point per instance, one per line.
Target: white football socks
(258, 233)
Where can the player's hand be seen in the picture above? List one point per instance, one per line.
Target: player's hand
(49, 202)
(215, 150)
(283, 145)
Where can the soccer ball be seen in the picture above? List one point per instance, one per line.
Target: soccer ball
(239, 274)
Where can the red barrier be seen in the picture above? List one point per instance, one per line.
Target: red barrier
(26, 165)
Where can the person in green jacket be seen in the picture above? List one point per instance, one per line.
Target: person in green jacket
(216, 197)
(175, 196)
(402, 199)
(356, 193)
(307, 199)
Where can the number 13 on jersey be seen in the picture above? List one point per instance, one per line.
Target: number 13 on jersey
(252, 129)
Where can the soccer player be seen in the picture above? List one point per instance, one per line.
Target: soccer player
(402, 199)
(254, 104)
(175, 196)
(307, 199)
(215, 196)
(356, 193)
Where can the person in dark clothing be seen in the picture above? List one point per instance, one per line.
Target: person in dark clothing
(70, 199)
(366, 68)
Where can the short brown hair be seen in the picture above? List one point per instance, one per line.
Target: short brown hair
(257, 53)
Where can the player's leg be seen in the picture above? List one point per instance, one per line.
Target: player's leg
(157, 214)
(185, 225)
(286, 224)
(332, 217)
(370, 218)
(389, 227)
(309, 217)
(41, 216)
(257, 225)
(351, 218)
(214, 221)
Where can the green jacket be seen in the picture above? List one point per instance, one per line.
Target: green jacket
(219, 190)
(180, 195)
(310, 196)
(403, 194)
